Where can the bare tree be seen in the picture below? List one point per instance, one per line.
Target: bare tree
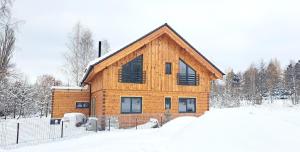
(273, 78)
(80, 52)
(43, 93)
(5, 11)
(105, 46)
(7, 38)
(250, 84)
(7, 42)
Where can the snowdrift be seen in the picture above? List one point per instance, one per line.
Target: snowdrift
(247, 129)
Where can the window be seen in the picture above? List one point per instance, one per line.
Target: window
(131, 105)
(168, 68)
(167, 103)
(82, 105)
(187, 105)
(132, 72)
(186, 75)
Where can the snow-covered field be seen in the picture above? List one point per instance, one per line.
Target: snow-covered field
(271, 127)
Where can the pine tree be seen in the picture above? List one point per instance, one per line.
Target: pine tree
(297, 82)
(262, 81)
(232, 89)
(290, 82)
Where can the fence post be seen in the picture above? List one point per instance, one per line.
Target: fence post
(96, 126)
(18, 128)
(62, 129)
(161, 121)
(109, 124)
(136, 123)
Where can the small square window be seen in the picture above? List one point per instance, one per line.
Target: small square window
(168, 69)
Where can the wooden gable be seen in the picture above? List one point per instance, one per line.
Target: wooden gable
(164, 29)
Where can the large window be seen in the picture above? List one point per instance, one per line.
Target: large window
(82, 105)
(131, 105)
(187, 105)
(167, 103)
(186, 75)
(132, 72)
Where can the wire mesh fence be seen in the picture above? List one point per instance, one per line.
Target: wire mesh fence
(34, 130)
(37, 130)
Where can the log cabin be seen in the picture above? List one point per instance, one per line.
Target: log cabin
(158, 73)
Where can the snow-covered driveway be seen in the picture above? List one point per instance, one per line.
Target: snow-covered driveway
(247, 129)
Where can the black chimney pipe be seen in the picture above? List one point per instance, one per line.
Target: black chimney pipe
(99, 53)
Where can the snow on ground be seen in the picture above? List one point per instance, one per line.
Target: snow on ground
(272, 127)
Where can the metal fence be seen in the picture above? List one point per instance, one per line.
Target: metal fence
(25, 131)
(14, 132)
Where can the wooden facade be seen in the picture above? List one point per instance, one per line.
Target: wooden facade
(161, 46)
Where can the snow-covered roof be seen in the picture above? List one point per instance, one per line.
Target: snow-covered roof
(67, 88)
(95, 61)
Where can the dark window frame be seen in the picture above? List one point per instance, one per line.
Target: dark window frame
(170, 100)
(186, 75)
(141, 106)
(168, 68)
(185, 100)
(132, 71)
(83, 105)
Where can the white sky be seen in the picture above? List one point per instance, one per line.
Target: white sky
(230, 33)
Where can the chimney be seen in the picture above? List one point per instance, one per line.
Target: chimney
(99, 53)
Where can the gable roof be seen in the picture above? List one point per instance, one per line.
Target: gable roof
(163, 29)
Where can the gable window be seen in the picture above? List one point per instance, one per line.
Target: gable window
(187, 105)
(82, 105)
(132, 72)
(186, 75)
(167, 103)
(131, 105)
(168, 68)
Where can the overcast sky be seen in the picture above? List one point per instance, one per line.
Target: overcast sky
(230, 33)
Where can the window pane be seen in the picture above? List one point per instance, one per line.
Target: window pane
(182, 105)
(190, 105)
(167, 103)
(191, 71)
(125, 105)
(182, 67)
(136, 105)
(86, 104)
(168, 68)
(78, 105)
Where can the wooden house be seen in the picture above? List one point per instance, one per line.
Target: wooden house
(159, 72)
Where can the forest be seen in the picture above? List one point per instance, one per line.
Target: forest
(262, 82)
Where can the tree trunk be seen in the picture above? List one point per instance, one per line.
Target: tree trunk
(47, 109)
(15, 109)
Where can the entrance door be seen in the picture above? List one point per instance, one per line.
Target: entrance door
(93, 107)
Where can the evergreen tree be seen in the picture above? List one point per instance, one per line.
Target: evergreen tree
(262, 81)
(290, 82)
(297, 82)
(232, 89)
